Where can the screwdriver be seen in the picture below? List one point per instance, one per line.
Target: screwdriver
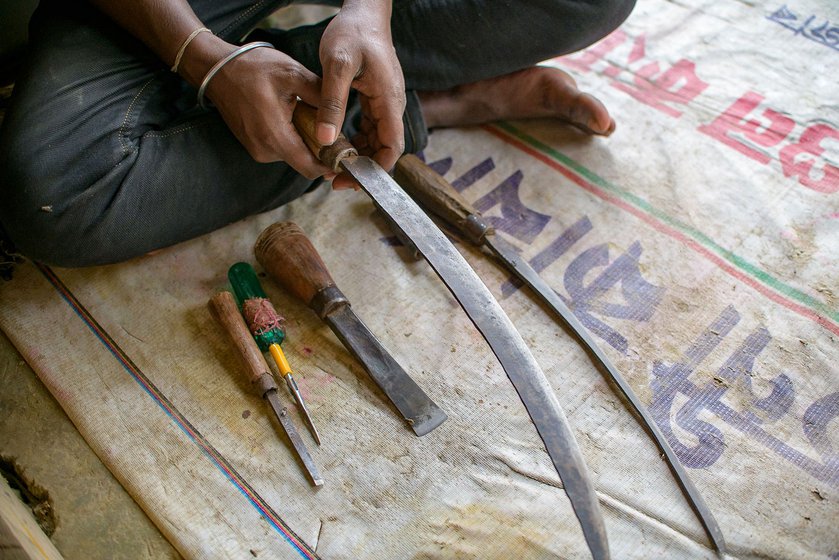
(265, 325)
(226, 312)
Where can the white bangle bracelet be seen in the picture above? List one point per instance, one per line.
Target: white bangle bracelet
(218, 65)
(184, 45)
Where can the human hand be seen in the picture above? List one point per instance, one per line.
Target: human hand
(255, 94)
(356, 50)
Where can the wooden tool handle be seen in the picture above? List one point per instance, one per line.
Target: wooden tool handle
(289, 258)
(226, 312)
(304, 121)
(428, 188)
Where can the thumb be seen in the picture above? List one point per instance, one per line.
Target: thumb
(337, 79)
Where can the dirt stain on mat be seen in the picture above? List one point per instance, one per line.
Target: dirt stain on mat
(34, 497)
(479, 531)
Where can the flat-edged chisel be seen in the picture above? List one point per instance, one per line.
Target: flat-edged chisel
(289, 258)
(226, 312)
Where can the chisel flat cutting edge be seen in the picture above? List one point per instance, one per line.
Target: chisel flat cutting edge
(485, 312)
(290, 258)
(226, 312)
(433, 192)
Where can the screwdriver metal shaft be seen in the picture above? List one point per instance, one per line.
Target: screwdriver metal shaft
(285, 369)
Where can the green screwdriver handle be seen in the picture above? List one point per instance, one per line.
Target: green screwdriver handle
(245, 282)
(260, 315)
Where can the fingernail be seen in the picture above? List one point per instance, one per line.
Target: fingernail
(326, 133)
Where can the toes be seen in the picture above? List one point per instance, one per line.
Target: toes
(590, 113)
(536, 92)
(560, 98)
(567, 78)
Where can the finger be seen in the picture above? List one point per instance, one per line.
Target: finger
(301, 160)
(307, 86)
(339, 70)
(345, 181)
(297, 154)
(387, 157)
(299, 82)
(390, 132)
(362, 145)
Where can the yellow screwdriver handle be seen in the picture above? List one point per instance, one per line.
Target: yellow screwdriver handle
(279, 357)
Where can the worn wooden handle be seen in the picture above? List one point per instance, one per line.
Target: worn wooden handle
(226, 312)
(428, 188)
(332, 155)
(290, 259)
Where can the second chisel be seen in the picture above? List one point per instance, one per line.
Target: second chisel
(289, 257)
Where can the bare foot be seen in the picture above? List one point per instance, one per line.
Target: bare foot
(538, 92)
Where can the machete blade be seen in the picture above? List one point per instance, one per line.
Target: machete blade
(437, 195)
(506, 342)
(507, 254)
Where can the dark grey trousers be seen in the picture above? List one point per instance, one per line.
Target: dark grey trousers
(105, 156)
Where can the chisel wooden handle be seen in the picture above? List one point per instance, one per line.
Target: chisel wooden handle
(304, 120)
(226, 312)
(289, 258)
(431, 190)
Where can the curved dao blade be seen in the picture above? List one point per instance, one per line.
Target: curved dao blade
(506, 342)
(508, 255)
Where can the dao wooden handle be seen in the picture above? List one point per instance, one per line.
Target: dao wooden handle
(227, 314)
(289, 258)
(332, 155)
(428, 188)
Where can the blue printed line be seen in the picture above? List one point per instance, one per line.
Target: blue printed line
(172, 412)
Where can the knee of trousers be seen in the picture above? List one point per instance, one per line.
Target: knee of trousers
(573, 25)
(46, 225)
(595, 19)
(618, 11)
(56, 239)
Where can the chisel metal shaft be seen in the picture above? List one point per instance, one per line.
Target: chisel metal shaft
(290, 258)
(227, 314)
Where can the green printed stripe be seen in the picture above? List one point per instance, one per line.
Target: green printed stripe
(698, 236)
